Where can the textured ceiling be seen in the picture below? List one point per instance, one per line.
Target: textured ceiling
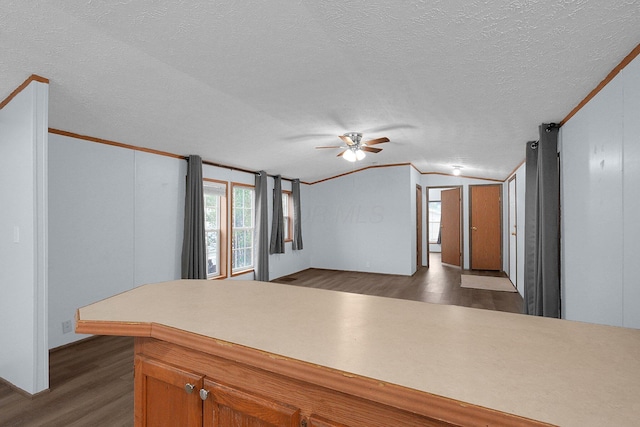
(259, 84)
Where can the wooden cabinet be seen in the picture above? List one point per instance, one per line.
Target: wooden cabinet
(226, 406)
(349, 360)
(167, 395)
(317, 421)
(226, 385)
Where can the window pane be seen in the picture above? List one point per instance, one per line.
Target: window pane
(214, 198)
(434, 211)
(242, 216)
(237, 197)
(434, 221)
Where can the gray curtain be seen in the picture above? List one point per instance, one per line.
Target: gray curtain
(297, 216)
(542, 225)
(277, 222)
(194, 250)
(261, 229)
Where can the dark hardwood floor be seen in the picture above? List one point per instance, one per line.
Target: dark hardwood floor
(91, 383)
(439, 284)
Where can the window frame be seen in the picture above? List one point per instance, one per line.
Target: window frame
(223, 226)
(288, 215)
(243, 270)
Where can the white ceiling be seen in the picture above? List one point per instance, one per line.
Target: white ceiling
(259, 84)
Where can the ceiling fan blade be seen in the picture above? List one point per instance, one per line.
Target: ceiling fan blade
(346, 140)
(377, 141)
(341, 153)
(371, 149)
(329, 146)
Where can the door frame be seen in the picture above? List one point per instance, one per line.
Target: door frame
(419, 222)
(446, 187)
(501, 219)
(513, 228)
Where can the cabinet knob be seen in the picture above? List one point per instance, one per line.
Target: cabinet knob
(189, 388)
(204, 394)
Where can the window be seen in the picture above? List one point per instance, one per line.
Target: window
(215, 225)
(287, 213)
(242, 228)
(434, 222)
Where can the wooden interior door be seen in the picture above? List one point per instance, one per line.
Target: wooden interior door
(486, 227)
(229, 407)
(166, 395)
(418, 227)
(450, 202)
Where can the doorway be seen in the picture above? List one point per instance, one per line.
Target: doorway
(444, 231)
(486, 227)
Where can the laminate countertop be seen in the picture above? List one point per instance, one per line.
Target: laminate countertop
(557, 371)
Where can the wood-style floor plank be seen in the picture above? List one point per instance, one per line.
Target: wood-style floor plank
(438, 284)
(91, 382)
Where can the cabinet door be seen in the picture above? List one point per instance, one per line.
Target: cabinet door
(230, 407)
(166, 395)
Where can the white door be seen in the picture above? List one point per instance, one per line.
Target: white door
(512, 233)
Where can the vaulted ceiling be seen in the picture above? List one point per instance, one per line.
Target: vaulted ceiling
(259, 84)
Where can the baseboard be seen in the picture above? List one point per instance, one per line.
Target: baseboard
(71, 344)
(21, 391)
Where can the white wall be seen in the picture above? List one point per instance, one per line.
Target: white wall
(159, 217)
(600, 198)
(24, 358)
(364, 221)
(631, 196)
(437, 180)
(115, 220)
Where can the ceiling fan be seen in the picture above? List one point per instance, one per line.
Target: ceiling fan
(355, 148)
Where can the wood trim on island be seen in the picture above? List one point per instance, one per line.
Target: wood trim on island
(439, 408)
(178, 348)
(452, 366)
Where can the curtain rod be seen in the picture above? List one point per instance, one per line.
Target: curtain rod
(219, 165)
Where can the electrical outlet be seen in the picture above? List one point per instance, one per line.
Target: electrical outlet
(66, 326)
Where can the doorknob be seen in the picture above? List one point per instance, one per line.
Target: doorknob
(474, 228)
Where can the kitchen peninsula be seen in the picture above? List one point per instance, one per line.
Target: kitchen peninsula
(225, 350)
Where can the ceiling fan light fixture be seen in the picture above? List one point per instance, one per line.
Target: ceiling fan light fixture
(360, 154)
(457, 170)
(349, 156)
